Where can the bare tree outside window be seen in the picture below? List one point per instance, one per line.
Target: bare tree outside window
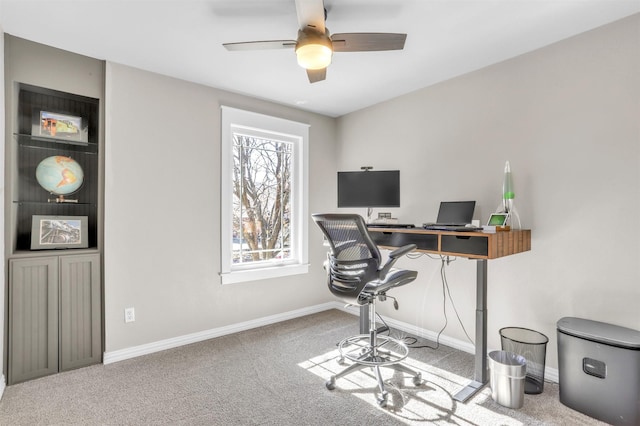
(264, 212)
(261, 199)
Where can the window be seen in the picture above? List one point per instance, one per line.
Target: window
(264, 204)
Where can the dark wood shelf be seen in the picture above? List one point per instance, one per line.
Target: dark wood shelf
(48, 203)
(55, 144)
(29, 198)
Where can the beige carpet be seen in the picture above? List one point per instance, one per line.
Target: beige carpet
(273, 375)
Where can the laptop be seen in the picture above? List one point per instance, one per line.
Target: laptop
(454, 216)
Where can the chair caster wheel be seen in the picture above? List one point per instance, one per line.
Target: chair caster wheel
(382, 400)
(341, 361)
(417, 379)
(331, 384)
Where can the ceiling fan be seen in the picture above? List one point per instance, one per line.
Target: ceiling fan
(315, 46)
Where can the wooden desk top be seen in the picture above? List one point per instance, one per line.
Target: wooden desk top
(474, 244)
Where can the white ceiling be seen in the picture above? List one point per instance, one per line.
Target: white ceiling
(183, 39)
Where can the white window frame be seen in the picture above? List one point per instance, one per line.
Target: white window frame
(237, 120)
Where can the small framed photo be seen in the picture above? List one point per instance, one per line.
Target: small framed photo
(63, 127)
(58, 232)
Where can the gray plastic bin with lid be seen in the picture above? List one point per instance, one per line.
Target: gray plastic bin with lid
(599, 370)
(532, 345)
(506, 377)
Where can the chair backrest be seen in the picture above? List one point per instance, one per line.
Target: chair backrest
(354, 259)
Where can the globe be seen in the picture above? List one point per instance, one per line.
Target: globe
(59, 175)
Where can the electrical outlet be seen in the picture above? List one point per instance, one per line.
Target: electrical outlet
(129, 315)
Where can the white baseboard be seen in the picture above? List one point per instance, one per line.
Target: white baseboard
(2, 385)
(136, 351)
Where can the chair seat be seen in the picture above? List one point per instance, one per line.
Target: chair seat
(394, 278)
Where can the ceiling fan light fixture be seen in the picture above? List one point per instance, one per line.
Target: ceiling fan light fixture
(314, 56)
(313, 49)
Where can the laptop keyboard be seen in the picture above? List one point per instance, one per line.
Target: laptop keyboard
(456, 228)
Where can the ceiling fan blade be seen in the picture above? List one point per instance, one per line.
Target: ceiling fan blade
(311, 13)
(366, 42)
(260, 45)
(317, 75)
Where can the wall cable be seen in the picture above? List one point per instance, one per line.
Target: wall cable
(445, 261)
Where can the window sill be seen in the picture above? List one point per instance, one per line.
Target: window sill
(263, 273)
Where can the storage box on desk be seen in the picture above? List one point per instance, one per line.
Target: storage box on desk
(599, 370)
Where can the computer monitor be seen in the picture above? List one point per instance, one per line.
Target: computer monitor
(371, 188)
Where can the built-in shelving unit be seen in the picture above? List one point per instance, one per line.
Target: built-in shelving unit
(53, 231)
(30, 198)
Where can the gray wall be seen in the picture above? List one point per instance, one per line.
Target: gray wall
(162, 211)
(567, 119)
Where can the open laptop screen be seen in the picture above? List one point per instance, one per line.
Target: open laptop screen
(456, 212)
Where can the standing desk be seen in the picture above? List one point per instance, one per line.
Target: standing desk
(481, 246)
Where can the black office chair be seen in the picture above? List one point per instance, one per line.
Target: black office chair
(355, 275)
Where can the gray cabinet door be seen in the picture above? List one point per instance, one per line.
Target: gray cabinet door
(33, 318)
(80, 318)
(55, 315)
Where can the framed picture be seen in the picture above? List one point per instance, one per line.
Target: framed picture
(61, 127)
(58, 232)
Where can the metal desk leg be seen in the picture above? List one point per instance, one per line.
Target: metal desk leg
(480, 374)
